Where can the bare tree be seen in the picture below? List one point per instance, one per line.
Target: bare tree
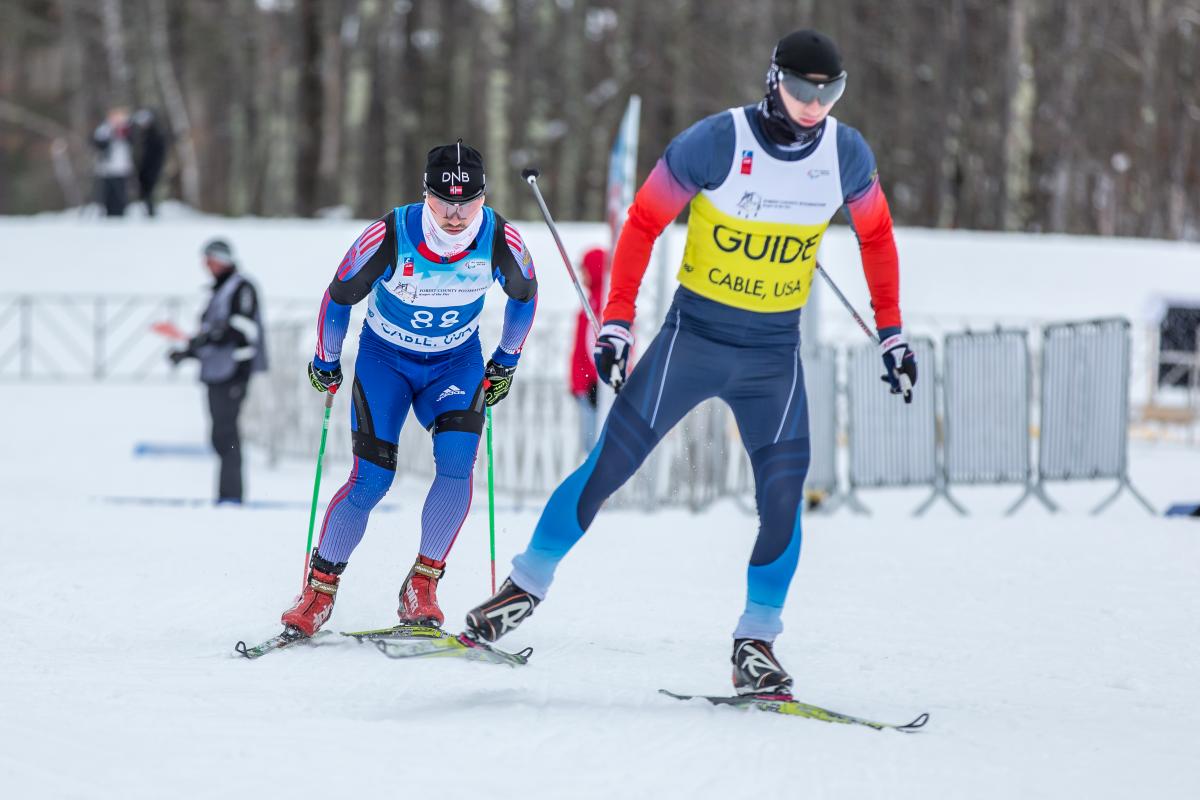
(1018, 129)
(177, 114)
(981, 114)
(120, 89)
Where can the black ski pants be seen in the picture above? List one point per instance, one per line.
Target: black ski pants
(224, 404)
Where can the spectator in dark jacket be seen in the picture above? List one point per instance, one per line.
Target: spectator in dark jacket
(150, 154)
(230, 348)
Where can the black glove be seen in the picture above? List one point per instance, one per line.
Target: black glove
(177, 356)
(325, 380)
(611, 353)
(497, 380)
(900, 365)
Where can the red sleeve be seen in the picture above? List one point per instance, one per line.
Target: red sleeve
(656, 204)
(873, 223)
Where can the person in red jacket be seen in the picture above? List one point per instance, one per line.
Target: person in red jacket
(584, 380)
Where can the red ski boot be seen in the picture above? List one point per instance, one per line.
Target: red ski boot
(418, 595)
(315, 602)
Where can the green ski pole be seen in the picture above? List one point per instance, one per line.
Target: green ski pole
(312, 513)
(491, 500)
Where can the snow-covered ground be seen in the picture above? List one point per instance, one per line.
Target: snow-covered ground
(1057, 655)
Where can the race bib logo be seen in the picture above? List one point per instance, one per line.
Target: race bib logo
(749, 205)
(747, 161)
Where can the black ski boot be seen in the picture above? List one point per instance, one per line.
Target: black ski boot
(757, 671)
(501, 612)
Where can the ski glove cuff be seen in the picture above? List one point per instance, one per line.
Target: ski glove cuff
(899, 364)
(497, 380)
(325, 380)
(611, 353)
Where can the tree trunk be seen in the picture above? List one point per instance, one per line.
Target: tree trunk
(358, 106)
(576, 117)
(177, 114)
(1018, 130)
(1063, 178)
(338, 18)
(309, 99)
(120, 92)
(395, 108)
(496, 103)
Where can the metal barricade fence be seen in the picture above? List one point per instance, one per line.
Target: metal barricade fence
(94, 337)
(820, 385)
(535, 433)
(891, 443)
(87, 337)
(1085, 406)
(986, 385)
(986, 393)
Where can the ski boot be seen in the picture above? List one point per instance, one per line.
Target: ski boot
(418, 595)
(757, 671)
(501, 612)
(314, 604)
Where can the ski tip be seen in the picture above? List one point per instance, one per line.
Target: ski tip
(241, 649)
(915, 725)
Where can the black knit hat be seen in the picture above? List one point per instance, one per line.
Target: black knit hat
(454, 172)
(808, 52)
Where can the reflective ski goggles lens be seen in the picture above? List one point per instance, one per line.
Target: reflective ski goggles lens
(806, 89)
(455, 210)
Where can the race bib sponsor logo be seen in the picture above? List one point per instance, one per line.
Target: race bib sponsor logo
(747, 161)
(749, 205)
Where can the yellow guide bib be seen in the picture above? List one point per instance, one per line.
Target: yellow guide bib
(752, 242)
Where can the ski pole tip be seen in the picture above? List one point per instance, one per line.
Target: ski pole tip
(529, 174)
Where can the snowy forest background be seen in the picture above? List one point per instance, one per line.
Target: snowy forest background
(1051, 115)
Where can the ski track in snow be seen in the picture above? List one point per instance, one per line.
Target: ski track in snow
(1056, 655)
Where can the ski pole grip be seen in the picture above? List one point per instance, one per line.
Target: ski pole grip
(529, 174)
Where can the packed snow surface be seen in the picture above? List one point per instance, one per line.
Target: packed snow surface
(1056, 655)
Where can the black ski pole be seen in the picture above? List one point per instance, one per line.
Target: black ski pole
(905, 383)
(530, 176)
